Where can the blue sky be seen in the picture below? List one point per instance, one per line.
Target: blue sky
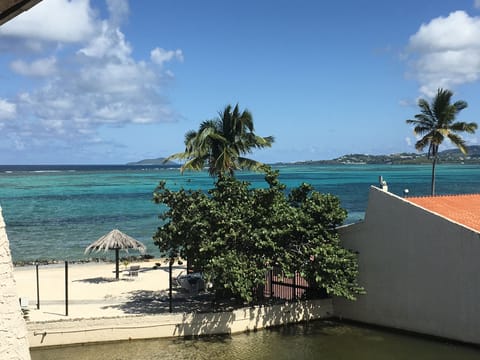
(107, 82)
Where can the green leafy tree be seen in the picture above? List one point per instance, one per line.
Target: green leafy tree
(436, 121)
(185, 225)
(330, 266)
(235, 234)
(221, 143)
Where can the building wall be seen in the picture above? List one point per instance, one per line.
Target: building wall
(13, 331)
(421, 272)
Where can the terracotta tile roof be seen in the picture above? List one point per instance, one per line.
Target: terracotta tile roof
(463, 209)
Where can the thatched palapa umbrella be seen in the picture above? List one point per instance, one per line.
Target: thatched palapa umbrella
(116, 240)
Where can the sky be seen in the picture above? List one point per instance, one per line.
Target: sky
(109, 82)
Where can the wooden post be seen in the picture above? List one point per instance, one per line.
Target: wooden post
(170, 284)
(294, 287)
(117, 263)
(271, 284)
(66, 288)
(38, 287)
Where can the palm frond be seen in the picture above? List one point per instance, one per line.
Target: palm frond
(223, 163)
(246, 120)
(422, 143)
(211, 124)
(177, 156)
(421, 129)
(262, 142)
(441, 104)
(425, 108)
(189, 136)
(463, 126)
(249, 164)
(460, 105)
(412, 122)
(196, 164)
(425, 119)
(458, 142)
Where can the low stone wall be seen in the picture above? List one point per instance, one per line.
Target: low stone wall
(78, 331)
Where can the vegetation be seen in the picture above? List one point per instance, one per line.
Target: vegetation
(445, 156)
(435, 122)
(221, 143)
(235, 234)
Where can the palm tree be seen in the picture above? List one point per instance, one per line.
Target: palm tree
(221, 142)
(436, 122)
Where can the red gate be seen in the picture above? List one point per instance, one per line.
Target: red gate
(278, 286)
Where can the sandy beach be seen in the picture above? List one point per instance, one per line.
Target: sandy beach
(93, 291)
(102, 309)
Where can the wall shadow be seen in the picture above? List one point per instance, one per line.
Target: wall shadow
(101, 280)
(196, 324)
(157, 302)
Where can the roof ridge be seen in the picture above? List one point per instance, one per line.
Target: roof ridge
(440, 196)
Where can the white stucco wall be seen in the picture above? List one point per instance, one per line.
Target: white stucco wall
(13, 331)
(421, 271)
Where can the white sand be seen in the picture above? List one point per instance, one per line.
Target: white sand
(93, 291)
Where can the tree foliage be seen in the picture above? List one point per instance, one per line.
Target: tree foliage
(235, 234)
(436, 122)
(221, 143)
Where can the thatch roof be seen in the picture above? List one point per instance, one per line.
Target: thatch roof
(116, 239)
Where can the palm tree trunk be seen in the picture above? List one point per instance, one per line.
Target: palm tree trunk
(433, 174)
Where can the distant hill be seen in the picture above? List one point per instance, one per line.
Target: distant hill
(157, 161)
(446, 156)
(473, 151)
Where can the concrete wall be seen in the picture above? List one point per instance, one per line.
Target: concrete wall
(13, 331)
(52, 333)
(421, 272)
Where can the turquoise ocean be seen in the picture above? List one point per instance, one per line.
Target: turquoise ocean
(56, 211)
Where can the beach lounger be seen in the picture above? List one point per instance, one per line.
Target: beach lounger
(24, 306)
(133, 271)
(192, 283)
(24, 303)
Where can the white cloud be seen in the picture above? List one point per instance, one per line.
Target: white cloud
(110, 43)
(118, 10)
(476, 4)
(8, 110)
(160, 56)
(41, 67)
(408, 141)
(68, 22)
(446, 52)
(84, 86)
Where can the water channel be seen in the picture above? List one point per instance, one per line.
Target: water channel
(325, 340)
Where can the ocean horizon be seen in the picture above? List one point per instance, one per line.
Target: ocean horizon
(56, 211)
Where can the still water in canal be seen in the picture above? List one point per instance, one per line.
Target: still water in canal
(323, 340)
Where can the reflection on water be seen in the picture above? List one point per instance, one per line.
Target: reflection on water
(325, 340)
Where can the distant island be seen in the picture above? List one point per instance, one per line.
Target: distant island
(157, 161)
(451, 156)
(446, 156)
